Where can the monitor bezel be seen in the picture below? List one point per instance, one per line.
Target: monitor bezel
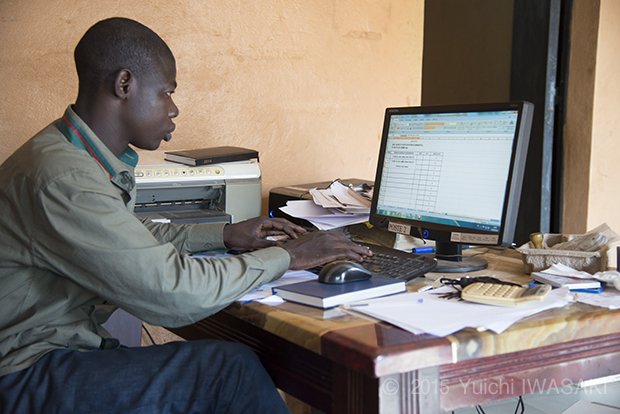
(448, 233)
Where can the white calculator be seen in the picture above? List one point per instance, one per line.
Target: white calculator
(503, 295)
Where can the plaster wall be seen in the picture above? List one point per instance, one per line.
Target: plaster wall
(579, 114)
(305, 82)
(604, 178)
(591, 132)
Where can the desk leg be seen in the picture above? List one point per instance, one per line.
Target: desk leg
(412, 392)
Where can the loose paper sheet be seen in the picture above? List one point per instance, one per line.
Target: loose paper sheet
(322, 218)
(419, 312)
(264, 292)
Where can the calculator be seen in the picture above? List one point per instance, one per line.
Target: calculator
(503, 295)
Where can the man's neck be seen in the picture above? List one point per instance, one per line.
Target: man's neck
(102, 126)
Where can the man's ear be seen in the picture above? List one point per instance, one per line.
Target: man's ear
(123, 82)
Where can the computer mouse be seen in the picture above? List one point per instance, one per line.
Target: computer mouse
(343, 271)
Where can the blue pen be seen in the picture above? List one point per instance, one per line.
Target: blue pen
(429, 249)
(425, 249)
(591, 290)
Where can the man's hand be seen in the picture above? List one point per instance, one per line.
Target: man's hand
(253, 233)
(320, 247)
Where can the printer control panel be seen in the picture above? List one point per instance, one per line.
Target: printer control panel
(166, 172)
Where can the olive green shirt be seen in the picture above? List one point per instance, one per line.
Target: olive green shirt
(71, 250)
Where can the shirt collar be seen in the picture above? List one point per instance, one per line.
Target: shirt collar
(80, 135)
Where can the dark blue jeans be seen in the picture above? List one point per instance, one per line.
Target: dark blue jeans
(179, 377)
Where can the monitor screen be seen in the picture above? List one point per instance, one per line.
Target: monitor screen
(452, 174)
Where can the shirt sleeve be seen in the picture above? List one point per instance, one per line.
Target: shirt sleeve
(188, 238)
(87, 234)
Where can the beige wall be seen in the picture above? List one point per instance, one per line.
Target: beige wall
(604, 194)
(305, 82)
(592, 134)
(579, 112)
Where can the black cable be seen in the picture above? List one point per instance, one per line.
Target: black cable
(479, 407)
(520, 403)
(149, 335)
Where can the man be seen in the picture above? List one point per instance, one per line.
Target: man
(71, 252)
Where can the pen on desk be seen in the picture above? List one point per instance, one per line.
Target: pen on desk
(355, 305)
(424, 249)
(429, 249)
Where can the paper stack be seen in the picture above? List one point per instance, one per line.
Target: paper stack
(333, 207)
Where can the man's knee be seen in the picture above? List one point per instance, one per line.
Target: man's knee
(235, 356)
(252, 390)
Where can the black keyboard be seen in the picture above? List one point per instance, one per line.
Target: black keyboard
(395, 263)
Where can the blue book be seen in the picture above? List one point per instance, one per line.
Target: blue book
(572, 283)
(323, 295)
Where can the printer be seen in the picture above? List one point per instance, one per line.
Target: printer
(177, 193)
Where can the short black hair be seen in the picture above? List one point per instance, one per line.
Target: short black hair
(118, 43)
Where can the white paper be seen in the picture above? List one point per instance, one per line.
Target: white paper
(305, 209)
(264, 291)
(609, 299)
(273, 300)
(426, 312)
(337, 222)
(321, 218)
(560, 269)
(347, 196)
(340, 198)
(324, 198)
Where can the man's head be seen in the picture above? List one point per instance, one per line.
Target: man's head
(126, 75)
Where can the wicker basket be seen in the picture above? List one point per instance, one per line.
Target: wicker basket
(539, 259)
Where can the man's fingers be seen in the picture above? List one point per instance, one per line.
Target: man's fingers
(283, 225)
(319, 248)
(356, 253)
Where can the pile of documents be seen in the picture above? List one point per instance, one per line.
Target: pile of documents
(333, 207)
(599, 289)
(420, 312)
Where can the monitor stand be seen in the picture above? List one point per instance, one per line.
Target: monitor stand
(450, 259)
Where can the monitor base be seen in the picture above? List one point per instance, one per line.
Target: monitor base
(464, 265)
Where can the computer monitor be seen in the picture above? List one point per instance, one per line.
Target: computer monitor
(453, 174)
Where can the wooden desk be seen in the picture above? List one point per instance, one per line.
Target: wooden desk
(351, 364)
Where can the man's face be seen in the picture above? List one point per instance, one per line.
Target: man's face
(147, 117)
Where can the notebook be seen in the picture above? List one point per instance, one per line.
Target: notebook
(213, 155)
(323, 295)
